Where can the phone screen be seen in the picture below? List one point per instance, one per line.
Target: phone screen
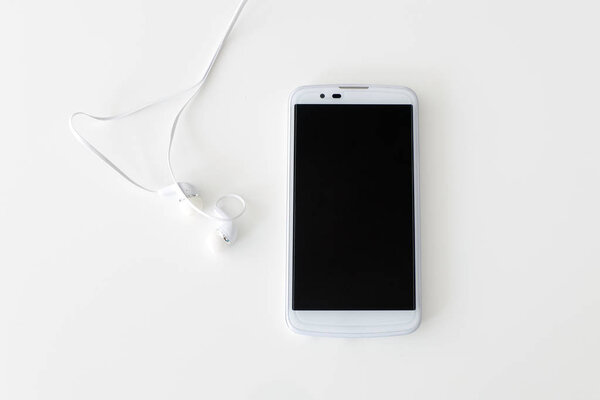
(353, 215)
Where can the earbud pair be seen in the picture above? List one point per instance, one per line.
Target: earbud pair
(190, 201)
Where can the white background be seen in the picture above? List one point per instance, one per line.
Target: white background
(107, 292)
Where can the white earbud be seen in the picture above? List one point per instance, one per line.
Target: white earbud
(225, 229)
(225, 234)
(177, 189)
(186, 194)
(188, 198)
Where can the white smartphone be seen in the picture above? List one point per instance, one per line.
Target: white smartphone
(353, 211)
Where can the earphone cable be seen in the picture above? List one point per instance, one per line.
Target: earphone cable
(195, 90)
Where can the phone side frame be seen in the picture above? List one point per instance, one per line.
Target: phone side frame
(346, 323)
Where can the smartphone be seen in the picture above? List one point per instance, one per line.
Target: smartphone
(353, 247)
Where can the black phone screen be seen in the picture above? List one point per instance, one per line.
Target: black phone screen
(353, 208)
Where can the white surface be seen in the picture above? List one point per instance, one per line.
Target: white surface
(107, 292)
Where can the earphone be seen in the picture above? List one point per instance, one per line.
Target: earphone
(181, 192)
(188, 198)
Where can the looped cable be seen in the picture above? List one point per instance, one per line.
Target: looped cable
(237, 197)
(195, 88)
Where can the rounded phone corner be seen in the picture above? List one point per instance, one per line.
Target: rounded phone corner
(414, 325)
(289, 321)
(413, 96)
(296, 92)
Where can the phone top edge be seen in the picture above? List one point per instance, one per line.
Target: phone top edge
(405, 95)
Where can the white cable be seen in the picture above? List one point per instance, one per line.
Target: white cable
(196, 88)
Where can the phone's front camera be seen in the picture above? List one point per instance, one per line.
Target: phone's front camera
(322, 96)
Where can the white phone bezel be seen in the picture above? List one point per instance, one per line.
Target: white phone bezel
(353, 323)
